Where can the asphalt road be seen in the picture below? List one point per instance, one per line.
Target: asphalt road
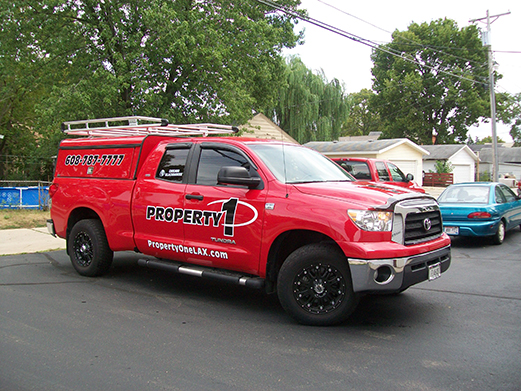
(142, 329)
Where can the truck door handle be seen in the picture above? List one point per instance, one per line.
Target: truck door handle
(194, 197)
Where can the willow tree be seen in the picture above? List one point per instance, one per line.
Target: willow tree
(310, 107)
(431, 81)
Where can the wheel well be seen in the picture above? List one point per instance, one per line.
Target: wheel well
(285, 244)
(77, 215)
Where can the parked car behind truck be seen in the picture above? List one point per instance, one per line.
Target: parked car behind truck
(479, 209)
(259, 213)
(378, 170)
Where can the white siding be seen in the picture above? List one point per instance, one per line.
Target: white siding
(429, 166)
(408, 159)
(464, 166)
(504, 168)
(462, 173)
(408, 167)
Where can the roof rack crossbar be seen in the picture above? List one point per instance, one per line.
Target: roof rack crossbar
(112, 127)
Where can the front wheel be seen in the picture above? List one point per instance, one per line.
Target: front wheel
(499, 237)
(314, 286)
(88, 248)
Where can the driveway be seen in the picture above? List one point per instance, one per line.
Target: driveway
(143, 329)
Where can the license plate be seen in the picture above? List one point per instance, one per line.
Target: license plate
(451, 230)
(434, 271)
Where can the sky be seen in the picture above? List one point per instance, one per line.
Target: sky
(350, 61)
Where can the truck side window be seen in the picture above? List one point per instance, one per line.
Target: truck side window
(359, 170)
(382, 171)
(213, 159)
(396, 173)
(172, 166)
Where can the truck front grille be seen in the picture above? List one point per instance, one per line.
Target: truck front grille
(416, 220)
(422, 226)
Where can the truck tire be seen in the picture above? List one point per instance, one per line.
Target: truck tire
(499, 237)
(89, 250)
(314, 286)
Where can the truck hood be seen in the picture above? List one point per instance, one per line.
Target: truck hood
(362, 193)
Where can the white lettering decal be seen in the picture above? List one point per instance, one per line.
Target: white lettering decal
(226, 216)
(187, 249)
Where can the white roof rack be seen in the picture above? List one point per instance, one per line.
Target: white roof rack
(140, 126)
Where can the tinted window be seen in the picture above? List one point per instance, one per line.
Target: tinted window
(471, 194)
(500, 199)
(382, 171)
(213, 159)
(396, 173)
(360, 170)
(507, 193)
(172, 166)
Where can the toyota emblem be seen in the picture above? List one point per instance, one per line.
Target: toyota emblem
(427, 224)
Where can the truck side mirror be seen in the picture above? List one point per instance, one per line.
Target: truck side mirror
(231, 175)
(409, 177)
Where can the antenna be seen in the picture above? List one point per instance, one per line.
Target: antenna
(284, 163)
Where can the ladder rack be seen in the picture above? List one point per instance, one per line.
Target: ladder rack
(140, 126)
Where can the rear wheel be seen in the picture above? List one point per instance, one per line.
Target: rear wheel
(88, 248)
(314, 286)
(499, 237)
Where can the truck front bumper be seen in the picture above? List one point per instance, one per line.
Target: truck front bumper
(397, 274)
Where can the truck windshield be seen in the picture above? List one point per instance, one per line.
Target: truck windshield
(297, 164)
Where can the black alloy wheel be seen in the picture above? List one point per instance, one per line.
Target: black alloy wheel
(314, 285)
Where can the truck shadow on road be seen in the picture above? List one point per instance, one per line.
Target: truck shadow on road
(228, 302)
(399, 310)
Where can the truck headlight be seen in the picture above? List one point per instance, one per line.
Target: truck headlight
(372, 220)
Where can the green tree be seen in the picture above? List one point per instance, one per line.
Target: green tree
(24, 77)
(186, 60)
(443, 167)
(488, 140)
(362, 119)
(310, 107)
(433, 83)
(510, 113)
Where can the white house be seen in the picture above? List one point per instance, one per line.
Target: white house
(401, 151)
(509, 160)
(460, 156)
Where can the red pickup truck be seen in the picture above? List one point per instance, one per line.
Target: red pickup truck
(378, 170)
(260, 213)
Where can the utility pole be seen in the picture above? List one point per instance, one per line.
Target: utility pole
(487, 42)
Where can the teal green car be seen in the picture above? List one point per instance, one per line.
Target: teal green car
(480, 209)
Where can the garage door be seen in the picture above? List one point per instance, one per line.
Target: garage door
(462, 173)
(407, 166)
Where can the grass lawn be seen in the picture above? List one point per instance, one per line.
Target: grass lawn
(23, 218)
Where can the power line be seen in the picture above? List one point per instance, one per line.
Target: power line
(353, 16)
(437, 48)
(358, 39)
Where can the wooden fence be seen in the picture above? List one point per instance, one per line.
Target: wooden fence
(438, 180)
